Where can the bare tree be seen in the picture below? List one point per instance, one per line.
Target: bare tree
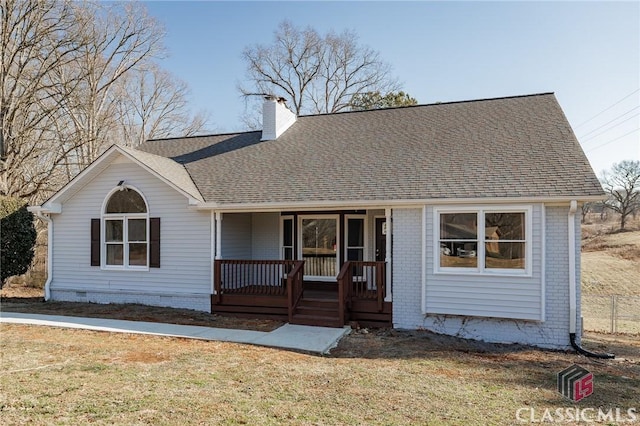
(316, 74)
(153, 104)
(622, 184)
(347, 69)
(117, 40)
(585, 210)
(36, 38)
(59, 65)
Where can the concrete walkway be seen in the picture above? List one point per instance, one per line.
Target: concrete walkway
(301, 337)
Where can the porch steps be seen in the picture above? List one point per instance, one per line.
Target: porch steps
(318, 312)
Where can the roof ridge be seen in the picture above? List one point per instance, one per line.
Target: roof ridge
(200, 136)
(431, 104)
(354, 112)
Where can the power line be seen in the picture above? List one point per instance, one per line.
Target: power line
(612, 127)
(612, 140)
(610, 121)
(608, 108)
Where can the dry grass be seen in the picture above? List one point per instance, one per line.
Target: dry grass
(611, 264)
(57, 376)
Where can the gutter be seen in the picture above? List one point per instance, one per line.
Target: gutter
(40, 214)
(572, 288)
(277, 206)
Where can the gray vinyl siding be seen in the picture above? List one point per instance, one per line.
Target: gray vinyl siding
(482, 295)
(265, 236)
(550, 270)
(185, 239)
(236, 236)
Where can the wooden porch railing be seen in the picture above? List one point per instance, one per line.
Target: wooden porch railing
(362, 280)
(295, 279)
(251, 277)
(345, 279)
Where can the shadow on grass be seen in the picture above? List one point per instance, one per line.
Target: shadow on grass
(617, 382)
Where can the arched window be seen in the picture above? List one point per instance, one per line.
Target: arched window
(126, 230)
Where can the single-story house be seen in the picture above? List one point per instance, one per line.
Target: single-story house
(455, 217)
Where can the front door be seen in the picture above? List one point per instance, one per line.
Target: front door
(381, 239)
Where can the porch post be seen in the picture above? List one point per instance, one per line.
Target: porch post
(218, 235)
(216, 244)
(388, 257)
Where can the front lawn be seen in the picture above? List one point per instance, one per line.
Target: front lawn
(57, 376)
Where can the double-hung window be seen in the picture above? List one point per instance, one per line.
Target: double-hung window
(484, 240)
(126, 230)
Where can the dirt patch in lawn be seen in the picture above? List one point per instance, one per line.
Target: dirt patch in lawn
(29, 300)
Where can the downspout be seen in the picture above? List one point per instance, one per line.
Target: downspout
(572, 288)
(47, 284)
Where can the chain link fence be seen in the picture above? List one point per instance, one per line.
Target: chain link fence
(611, 314)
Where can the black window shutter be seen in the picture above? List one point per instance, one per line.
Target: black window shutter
(95, 242)
(154, 242)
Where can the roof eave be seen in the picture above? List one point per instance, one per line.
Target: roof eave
(400, 203)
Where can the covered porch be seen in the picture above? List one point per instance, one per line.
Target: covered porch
(327, 268)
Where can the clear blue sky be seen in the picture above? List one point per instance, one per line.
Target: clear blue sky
(588, 53)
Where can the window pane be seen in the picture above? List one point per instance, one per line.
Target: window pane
(126, 201)
(459, 255)
(113, 230)
(504, 226)
(115, 254)
(356, 233)
(319, 249)
(137, 230)
(355, 254)
(138, 254)
(458, 226)
(288, 253)
(505, 255)
(287, 232)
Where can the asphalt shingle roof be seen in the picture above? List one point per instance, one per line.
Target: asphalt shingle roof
(506, 147)
(171, 170)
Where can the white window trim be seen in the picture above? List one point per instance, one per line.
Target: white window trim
(365, 247)
(338, 244)
(481, 210)
(125, 235)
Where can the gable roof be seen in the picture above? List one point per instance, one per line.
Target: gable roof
(174, 173)
(494, 148)
(169, 171)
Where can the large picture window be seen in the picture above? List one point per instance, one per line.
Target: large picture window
(483, 240)
(126, 230)
(318, 245)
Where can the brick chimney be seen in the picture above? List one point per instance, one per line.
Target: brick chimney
(276, 117)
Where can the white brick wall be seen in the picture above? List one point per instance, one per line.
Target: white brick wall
(407, 290)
